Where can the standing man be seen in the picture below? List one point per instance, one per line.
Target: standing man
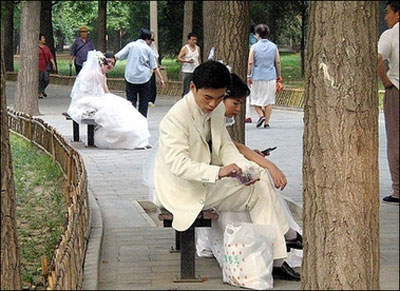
(45, 59)
(153, 86)
(80, 48)
(190, 57)
(388, 49)
(139, 67)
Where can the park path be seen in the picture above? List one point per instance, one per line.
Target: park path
(133, 251)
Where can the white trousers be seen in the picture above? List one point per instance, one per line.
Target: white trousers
(259, 199)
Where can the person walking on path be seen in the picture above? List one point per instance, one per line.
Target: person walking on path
(80, 48)
(388, 49)
(189, 56)
(141, 61)
(264, 74)
(153, 86)
(46, 63)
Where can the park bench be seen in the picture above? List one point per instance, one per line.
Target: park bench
(91, 123)
(185, 242)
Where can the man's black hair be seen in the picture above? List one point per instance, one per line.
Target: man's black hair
(238, 89)
(211, 75)
(144, 34)
(191, 34)
(394, 5)
(262, 30)
(40, 36)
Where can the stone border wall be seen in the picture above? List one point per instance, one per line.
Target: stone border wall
(291, 97)
(65, 271)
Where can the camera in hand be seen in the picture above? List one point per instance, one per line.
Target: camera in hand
(267, 151)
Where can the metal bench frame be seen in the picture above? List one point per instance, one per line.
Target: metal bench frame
(75, 128)
(185, 243)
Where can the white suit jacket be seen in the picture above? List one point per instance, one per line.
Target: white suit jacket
(184, 165)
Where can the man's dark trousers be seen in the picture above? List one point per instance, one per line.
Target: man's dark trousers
(132, 91)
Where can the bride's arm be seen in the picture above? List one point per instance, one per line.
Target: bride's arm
(105, 87)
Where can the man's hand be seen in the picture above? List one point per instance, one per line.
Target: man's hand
(229, 170)
(191, 61)
(162, 83)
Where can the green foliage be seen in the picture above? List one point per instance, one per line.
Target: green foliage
(41, 206)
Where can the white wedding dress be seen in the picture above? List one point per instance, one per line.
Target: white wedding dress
(119, 124)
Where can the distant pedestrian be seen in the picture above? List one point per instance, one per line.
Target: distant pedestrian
(153, 86)
(80, 48)
(46, 64)
(252, 40)
(264, 74)
(388, 49)
(189, 55)
(139, 66)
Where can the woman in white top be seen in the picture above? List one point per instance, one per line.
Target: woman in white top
(190, 57)
(119, 124)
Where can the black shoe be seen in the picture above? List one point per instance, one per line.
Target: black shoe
(260, 121)
(391, 199)
(296, 243)
(285, 273)
(44, 94)
(266, 125)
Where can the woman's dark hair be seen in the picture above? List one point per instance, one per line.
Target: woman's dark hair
(211, 75)
(109, 56)
(238, 89)
(40, 36)
(394, 5)
(144, 34)
(252, 26)
(262, 30)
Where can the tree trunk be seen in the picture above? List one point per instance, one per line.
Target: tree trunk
(26, 95)
(232, 47)
(46, 26)
(340, 154)
(154, 21)
(101, 30)
(187, 20)
(10, 263)
(8, 35)
(209, 24)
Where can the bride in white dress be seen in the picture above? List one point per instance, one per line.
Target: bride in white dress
(119, 124)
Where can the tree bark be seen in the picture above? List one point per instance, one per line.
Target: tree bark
(8, 38)
(340, 153)
(46, 25)
(10, 262)
(26, 95)
(232, 47)
(187, 20)
(102, 25)
(209, 25)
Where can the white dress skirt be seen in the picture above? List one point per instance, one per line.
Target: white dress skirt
(263, 92)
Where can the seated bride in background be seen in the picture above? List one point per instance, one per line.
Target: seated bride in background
(119, 124)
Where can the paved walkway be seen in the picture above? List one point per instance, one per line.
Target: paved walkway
(133, 251)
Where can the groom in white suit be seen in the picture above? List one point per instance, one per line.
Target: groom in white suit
(197, 159)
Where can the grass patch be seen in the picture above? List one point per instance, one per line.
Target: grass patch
(41, 208)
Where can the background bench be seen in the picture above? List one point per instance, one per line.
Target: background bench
(75, 127)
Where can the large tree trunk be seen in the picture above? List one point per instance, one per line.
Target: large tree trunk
(340, 155)
(232, 47)
(46, 25)
(102, 26)
(10, 263)
(187, 20)
(209, 25)
(26, 95)
(8, 37)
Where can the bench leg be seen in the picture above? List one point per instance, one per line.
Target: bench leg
(177, 240)
(188, 257)
(75, 128)
(90, 135)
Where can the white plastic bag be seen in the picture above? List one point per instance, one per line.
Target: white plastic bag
(248, 255)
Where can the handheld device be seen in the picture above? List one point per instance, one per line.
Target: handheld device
(267, 151)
